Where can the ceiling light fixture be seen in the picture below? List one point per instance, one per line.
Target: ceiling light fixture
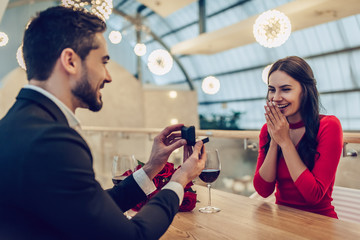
(20, 57)
(115, 37)
(265, 73)
(210, 85)
(160, 62)
(173, 94)
(174, 121)
(272, 28)
(101, 8)
(4, 39)
(140, 49)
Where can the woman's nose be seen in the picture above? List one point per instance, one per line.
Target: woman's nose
(276, 97)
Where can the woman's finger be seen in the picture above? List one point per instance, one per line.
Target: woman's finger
(268, 122)
(273, 111)
(270, 125)
(281, 119)
(267, 110)
(270, 116)
(278, 113)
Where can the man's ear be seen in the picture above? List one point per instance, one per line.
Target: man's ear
(70, 61)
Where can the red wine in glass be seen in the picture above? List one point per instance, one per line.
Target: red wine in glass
(209, 175)
(123, 166)
(118, 179)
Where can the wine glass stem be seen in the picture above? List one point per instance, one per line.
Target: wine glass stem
(209, 187)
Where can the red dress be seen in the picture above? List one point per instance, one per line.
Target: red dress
(312, 190)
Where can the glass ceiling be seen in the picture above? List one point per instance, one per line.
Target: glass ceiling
(332, 50)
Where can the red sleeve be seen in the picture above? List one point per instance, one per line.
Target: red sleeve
(263, 187)
(314, 185)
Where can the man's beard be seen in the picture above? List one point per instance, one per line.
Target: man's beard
(84, 92)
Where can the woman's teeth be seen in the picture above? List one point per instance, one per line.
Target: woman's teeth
(282, 105)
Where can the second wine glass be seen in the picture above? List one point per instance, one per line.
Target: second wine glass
(209, 175)
(123, 166)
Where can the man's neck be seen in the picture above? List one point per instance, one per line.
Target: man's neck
(60, 91)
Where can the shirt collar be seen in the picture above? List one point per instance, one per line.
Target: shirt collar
(70, 116)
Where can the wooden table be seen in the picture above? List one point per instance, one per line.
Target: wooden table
(244, 218)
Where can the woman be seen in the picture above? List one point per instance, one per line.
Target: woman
(299, 148)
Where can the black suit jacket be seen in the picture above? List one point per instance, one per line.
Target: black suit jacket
(47, 184)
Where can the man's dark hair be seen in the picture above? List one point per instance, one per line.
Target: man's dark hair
(53, 30)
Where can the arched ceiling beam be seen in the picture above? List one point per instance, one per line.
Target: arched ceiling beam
(302, 14)
(135, 21)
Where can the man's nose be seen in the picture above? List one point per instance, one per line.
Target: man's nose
(108, 77)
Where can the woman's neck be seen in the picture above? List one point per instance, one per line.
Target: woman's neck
(294, 118)
(296, 125)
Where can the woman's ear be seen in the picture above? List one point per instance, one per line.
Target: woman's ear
(70, 61)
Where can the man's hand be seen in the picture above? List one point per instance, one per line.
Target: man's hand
(192, 166)
(164, 144)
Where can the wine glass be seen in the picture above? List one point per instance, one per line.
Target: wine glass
(123, 166)
(209, 175)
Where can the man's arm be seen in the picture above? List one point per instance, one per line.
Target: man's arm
(127, 193)
(60, 188)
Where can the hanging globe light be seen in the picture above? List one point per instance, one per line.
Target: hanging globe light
(140, 49)
(4, 39)
(174, 121)
(20, 57)
(160, 62)
(265, 73)
(101, 8)
(173, 94)
(272, 28)
(210, 85)
(115, 37)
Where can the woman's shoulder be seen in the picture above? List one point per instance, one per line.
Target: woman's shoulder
(326, 119)
(331, 121)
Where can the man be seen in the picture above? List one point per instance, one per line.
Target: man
(47, 184)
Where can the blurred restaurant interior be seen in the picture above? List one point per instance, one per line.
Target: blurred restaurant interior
(203, 63)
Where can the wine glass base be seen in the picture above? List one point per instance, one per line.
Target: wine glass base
(128, 215)
(209, 209)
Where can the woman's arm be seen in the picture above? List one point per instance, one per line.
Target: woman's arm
(314, 184)
(268, 169)
(265, 173)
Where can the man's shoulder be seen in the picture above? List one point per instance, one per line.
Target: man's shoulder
(29, 124)
(33, 106)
